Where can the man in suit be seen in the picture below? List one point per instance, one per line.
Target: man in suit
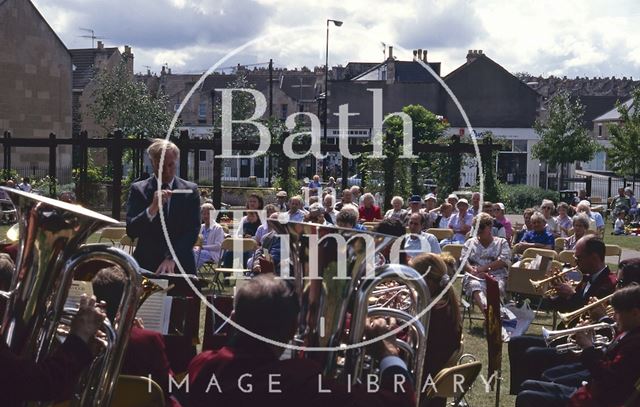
(249, 372)
(53, 378)
(614, 371)
(528, 355)
(181, 213)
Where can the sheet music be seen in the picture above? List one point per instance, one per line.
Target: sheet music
(156, 310)
(75, 292)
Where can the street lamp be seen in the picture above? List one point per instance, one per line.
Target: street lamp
(326, 89)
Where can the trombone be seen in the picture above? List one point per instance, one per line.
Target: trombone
(599, 341)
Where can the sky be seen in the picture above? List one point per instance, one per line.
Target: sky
(591, 38)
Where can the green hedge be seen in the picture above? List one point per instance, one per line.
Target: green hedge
(516, 198)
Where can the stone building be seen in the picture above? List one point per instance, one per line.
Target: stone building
(35, 86)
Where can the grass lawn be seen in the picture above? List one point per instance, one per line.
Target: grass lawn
(628, 242)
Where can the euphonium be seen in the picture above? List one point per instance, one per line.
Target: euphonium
(50, 252)
(335, 275)
(599, 341)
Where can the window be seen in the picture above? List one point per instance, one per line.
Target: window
(202, 110)
(284, 111)
(519, 146)
(599, 130)
(202, 155)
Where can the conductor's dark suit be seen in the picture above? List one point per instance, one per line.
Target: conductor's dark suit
(183, 224)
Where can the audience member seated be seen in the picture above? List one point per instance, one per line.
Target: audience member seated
(369, 211)
(330, 212)
(519, 234)
(497, 229)
(347, 198)
(598, 222)
(295, 212)
(445, 319)
(460, 223)
(263, 229)
(346, 218)
(442, 220)
(267, 306)
(54, 378)
(356, 193)
(618, 226)
(431, 212)
(271, 246)
(580, 227)
(613, 371)
(281, 201)
(212, 237)
(498, 214)
(316, 214)
(354, 209)
(538, 236)
(392, 227)
(251, 221)
(420, 242)
(487, 255)
(145, 354)
(397, 212)
(415, 206)
(563, 220)
(547, 209)
(475, 204)
(620, 203)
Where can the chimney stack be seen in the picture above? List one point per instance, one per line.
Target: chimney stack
(169, 71)
(127, 50)
(100, 45)
(390, 52)
(419, 53)
(473, 54)
(415, 53)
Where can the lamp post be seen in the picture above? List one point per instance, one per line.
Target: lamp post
(326, 89)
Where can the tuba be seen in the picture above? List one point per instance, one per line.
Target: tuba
(335, 275)
(51, 250)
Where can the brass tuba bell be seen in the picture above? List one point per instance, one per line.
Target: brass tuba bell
(51, 249)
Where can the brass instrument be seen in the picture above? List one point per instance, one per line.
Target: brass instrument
(50, 252)
(599, 340)
(318, 254)
(569, 317)
(557, 278)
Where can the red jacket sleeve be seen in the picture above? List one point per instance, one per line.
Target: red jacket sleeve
(52, 379)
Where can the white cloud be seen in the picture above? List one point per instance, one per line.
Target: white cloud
(595, 38)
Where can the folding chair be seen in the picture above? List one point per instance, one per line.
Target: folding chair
(532, 252)
(113, 234)
(228, 245)
(454, 249)
(447, 383)
(441, 234)
(613, 250)
(559, 244)
(128, 244)
(133, 391)
(566, 257)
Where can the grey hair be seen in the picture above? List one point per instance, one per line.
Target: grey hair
(157, 145)
(397, 198)
(581, 219)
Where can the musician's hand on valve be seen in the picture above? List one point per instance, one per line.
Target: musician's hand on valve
(583, 338)
(378, 327)
(564, 290)
(598, 311)
(88, 319)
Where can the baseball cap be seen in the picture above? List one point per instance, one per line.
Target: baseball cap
(429, 196)
(454, 196)
(501, 206)
(462, 201)
(415, 198)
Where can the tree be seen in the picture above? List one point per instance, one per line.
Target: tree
(405, 176)
(563, 139)
(624, 152)
(120, 102)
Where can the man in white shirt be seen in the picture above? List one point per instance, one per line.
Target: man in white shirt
(212, 237)
(420, 242)
(295, 213)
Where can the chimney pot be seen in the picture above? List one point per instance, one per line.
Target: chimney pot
(415, 53)
(480, 52)
(169, 71)
(424, 55)
(100, 45)
(419, 53)
(390, 52)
